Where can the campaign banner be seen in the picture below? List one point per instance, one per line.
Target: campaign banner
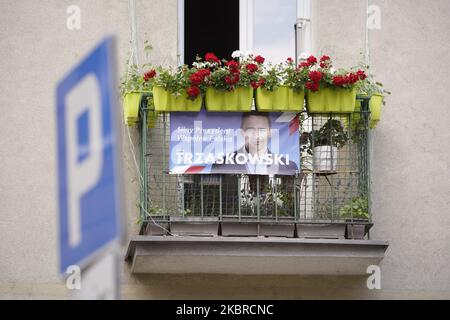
(234, 143)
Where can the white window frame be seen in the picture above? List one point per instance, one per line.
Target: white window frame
(246, 25)
(180, 38)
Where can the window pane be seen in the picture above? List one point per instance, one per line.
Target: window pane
(273, 33)
(210, 29)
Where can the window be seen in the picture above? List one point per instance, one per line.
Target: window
(273, 29)
(208, 29)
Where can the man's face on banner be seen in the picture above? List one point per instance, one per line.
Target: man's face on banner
(256, 130)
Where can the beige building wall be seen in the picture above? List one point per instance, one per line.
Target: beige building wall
(411, 189)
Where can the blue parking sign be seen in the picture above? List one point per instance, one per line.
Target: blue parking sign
(88, 157)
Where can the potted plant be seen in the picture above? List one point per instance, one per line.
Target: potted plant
(134, 84)
(132, 87)
(356, 213)
(179, 90)
(375, 91)
(230, 84)
(328, 90)
(324, 144)
(281, 88)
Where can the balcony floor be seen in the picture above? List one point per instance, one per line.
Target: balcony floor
(252, 255)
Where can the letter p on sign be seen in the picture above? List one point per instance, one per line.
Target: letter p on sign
(89, 188)
(84, 148)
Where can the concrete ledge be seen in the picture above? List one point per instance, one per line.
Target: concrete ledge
(239, 255)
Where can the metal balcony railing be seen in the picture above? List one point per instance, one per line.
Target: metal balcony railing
(333, 186)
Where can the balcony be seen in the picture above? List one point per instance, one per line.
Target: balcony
(317, 222)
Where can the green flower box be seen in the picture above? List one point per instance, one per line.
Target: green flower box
(165, 101)
(240, 99)
(283, 98)
(331, 100)
(131, 102)
(375, 104)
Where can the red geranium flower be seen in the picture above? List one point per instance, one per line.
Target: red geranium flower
(304, 64)
(311, 60)
(315, 76)
(149, 74)
(236, 78)
(211, 57)
(228, 80)
(289, 59)
(339, 81)
(259, 59)
(193, 92)
(361, 74)
(196, 78)
(251, 67)
(204, 72)
(325, 62)
(313, 86)
(232, 65)
(259, 83)
(352, 78)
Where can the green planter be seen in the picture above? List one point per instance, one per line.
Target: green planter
(330, 100)
(282, 99)
(131, 102)
(165, 101)
(376, 101)
(240, 99)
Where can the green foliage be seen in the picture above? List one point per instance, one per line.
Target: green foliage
(272, 76)
(284, 74)
(175, 81)
(248, 207)
(155, 210)
(287, 204)
(357, 208)
(223, 78)
(217, 80)
(332, 133)
(185, 212)
(133, 78)
(370, 86)
(294, 77)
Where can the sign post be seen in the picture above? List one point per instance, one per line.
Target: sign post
(89, 171)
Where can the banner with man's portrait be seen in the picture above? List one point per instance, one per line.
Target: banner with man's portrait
(233, 143)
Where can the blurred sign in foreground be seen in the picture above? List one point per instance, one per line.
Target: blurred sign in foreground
(89, 167)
